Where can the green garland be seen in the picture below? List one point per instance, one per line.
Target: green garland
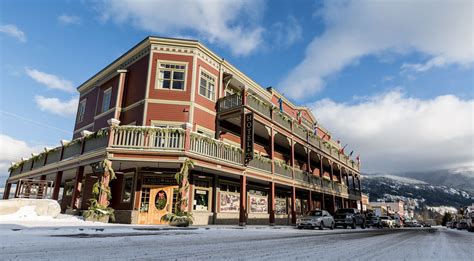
(149, 130)
(259, 101)
(181, 217)
(97, 210)
(259, 156)
(197, 136)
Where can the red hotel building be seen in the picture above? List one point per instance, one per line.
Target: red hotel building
(168, 100)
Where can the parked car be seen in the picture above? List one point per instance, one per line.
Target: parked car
(349, 217)
(387, 221)
(448, 224)
(316, 219)
(470, 222)
(462, 224)
(454, 224)
(374, 221)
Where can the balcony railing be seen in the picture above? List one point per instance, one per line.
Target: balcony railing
(283, 170)
(301, 175)
(283, 119)
(260, 106)
(229, 102)
(148, 138)
(298, 130)
(262, 163)
(215, 149)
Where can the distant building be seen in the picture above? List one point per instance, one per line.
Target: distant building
(391, 207)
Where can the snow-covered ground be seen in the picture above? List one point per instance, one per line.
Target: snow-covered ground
(26, 236)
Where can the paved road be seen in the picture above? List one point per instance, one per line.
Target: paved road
(227, 243)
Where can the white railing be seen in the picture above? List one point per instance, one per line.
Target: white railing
(216, 149)
(149, 138)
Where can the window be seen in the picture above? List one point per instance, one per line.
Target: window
(127, 188)
(201, 200)
(207, 86)
(106, 100)
(81, 110)
(171, 76)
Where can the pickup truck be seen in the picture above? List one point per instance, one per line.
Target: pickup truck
(346, 217)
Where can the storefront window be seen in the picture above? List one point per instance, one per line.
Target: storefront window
(127, 188)
(201, 200)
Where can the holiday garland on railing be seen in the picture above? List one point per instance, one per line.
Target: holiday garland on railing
(197, 136)
(181, 217)
(260, 157)
(282, 164)
(98, 209)
(149, 130)
(259, 101)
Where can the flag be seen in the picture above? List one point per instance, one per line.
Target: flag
(298, 116)
(324, 136)
(358, 159)
(350, 154)
(342, 150)
(315, 129)
(338, 142)
(280, 103)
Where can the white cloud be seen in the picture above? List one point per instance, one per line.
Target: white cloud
(56, 106)
(286, 33)
(231, 24)
(50, 80)
(69, 19)
(13, 31)
(17, 149)
(442, 31)
(393, 132)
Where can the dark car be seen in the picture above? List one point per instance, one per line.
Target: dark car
(316, 219)
(349, 217)
(373, 221)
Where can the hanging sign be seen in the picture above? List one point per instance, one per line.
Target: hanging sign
(248, 137)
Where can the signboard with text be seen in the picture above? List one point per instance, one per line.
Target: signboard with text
(248, 137)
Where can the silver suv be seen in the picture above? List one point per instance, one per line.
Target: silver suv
(316, 219)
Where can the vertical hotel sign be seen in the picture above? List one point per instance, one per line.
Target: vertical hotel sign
(248, 137)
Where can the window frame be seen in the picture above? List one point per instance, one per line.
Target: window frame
(108, 90)
(158, 78)
(127, 176)
(209, 75)
(80, 116)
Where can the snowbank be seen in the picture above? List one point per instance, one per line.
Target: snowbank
(42, 207)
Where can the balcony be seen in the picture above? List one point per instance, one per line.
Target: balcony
(261, 163)
(215, 149)
(229, 102)
(260, 106)
(282, 169)
(300, 132)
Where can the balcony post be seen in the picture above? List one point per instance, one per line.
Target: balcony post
(57, 185)
(6, 192)
(272, 204)
(358, 182)
(112, 123)
(293, 159)
(243, 201)
(310, 200)
(353, 182)
(77, 186)
(244, 97)
(41, 188)
(187, 137)
(323, 203)
(308, 153)
(333, 204)
(293, 205)
(272, 148)
(17, 190)
(121, 87)
(347, 179)
(340, 174)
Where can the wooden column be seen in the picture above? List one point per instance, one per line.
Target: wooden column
(215, 191)
(57, 185)
(243, 201)
(310, 200)
(293, 159)
(308, 153)
(323, 201)
(120, 90)
(77, 186)
(333, 204)
(272, 204)
(6, 192)
(41, 189)
(293, 205)
(272, 148)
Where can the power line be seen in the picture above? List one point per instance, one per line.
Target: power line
(35, 122)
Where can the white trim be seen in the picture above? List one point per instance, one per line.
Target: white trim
(104, 113)
(203, 70)
(202, 108)
(148, 83)
(158, 68)
(167, 123)
(84, 127)
(81, 119)
(108, 90)
(205, 130)
(174, 102)
(131, 106)
(193, 92)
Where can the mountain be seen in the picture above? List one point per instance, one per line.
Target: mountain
(419, 193)
(460, 178)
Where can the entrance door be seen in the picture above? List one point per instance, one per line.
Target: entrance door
(156, 202)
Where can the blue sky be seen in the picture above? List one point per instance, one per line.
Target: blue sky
(396, 86)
